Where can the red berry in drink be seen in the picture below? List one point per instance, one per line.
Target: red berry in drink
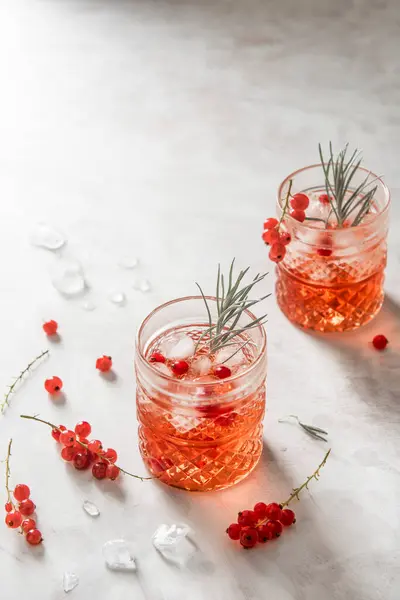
(277, 253)
(83, 429)
(21, 492)
(247, 518)
(380, 342)
(248, 537)
(324, 199)
(111, 455)
(180, 367)
(275, 527)
(95, 446)
(261, 510)
(222, 372)
(285, 238)
(270, 236)
(56, 433)
(13, 519)
(68, 453)
(297, 214)
(28, 524)
(300, 202)
(104, 363)
(234, 530)
(34, 537)
(50, 327)
(8, 507)
(157, 357)
(67, 437)
(81, 461)
(26, 507)
(324, 251)
(264, 533)
(270, 223)
(287, 517)
(53, 385)
(273, 511)
(99, 470)
(112, 472)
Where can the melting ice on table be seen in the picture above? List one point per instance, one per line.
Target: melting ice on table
(118, 556)
(172, 542)
(70, 581)
(90, 508)
(45, 236)
(67, 277)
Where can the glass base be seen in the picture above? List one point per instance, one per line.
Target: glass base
(332, 308)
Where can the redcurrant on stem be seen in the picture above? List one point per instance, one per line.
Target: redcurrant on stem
(11, 387)
(99, 454)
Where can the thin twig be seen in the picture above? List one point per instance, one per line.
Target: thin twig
(310, 429)
(8, 473)
(315, 475)
(18, 379)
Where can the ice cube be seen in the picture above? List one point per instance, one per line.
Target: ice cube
(67, 277)
(129, 262)
(201, 365)
(118, 556)
(45, 236)
(70, 581)
(90, 508)
(172, 542)
(118, 298)
(162, 368)
(182, 348)
(230, 356)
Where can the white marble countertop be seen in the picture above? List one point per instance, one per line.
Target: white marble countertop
(161, 129)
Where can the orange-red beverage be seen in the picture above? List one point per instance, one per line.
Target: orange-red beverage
(196, 431)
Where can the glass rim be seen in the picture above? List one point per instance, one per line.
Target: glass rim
(333, 231)
(195, 384)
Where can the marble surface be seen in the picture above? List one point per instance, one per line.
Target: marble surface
(161, 129)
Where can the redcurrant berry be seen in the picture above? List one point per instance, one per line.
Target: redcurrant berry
(247, 517)
(300, 202)
(34, 537)
(111, 455)
(234, 530)
(270, 236)
(222, 372)
(324, 251)
(270, 223)
(104, 363)
(26, 507)
(67, 437)
(285, 238)
(380, 342)
(56, 433)
(50, 327)
(298, 215)
(68, 453)
(157, 357)
(112, 472)
(287, 517)
(21, 492)
(95, 446)
(264, 533)
(99, 470)
(180, 367)
(261, 510)
(53, 385)
(13, 519)
(248, 537)
(277, 253)
(83, 429)
(324, 199)
(28, 524)
(8, 506)
(275, 527)
(273, 511)
(81, 461)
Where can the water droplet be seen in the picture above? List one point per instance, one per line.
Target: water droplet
(118, 556)
(88, 305)
(129, 262)
(45, 236)
(90, 508)
(141, 285)
(70, 581)
(172, 542)
(67, 277)
(118, 298)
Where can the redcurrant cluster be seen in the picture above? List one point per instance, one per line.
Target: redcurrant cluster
(265, 522)
(181, 367)
(84, 453)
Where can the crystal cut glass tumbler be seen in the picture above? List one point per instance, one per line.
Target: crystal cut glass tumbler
(332, 279)
(196, 432)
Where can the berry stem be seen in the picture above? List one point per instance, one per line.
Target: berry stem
(98, 454)
(18, 379)
(8, 473)
(286, 205)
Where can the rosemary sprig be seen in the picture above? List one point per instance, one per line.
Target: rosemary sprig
(231, 302)
(11, 387)
(339, 172)
(310, 429)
